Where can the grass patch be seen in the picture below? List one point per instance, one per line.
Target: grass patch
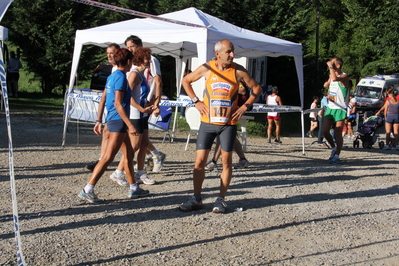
(36, 103)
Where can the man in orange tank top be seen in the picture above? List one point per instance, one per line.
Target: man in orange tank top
(219, 116)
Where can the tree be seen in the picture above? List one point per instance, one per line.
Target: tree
(44, 30)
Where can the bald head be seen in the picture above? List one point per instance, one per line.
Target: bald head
(222, 43)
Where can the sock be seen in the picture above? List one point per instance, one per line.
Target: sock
(334, 149)
(197, 197)
(118, 172)
(155, 152)
(134, 187)
(88, 188)
(140, 172)
(220, 198)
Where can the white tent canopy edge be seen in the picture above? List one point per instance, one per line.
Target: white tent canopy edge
(184, 42)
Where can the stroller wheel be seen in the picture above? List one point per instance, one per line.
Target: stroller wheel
(381, 144)
(356, 144)
(367, 144)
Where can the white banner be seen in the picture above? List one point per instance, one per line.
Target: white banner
(258, 108)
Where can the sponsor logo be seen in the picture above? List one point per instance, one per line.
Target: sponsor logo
(220, 94)
(176, 103)
(220, 103)
(214, 77)
(221, 86)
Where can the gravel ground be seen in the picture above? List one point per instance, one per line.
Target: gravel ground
(286, 208)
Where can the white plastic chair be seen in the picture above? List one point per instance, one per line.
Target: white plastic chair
(193, 117)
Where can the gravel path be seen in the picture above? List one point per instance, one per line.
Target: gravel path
(286, 208)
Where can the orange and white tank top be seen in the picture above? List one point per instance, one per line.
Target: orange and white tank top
(221, 95)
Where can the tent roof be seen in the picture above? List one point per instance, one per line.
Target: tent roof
(165, 38)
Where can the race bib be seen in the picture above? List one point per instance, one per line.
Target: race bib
(220, 111)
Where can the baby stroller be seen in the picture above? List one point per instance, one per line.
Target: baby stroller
(367, 132)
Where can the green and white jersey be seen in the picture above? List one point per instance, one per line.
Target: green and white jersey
(341, 96)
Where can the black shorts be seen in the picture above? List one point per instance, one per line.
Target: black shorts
(312, 119)
(116, 126)
(208, 132)
(13, 76)
(140, 124)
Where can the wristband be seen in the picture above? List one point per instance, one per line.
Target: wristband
(99, 121)
(331, 67)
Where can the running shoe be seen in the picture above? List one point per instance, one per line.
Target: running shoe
(191, 204)
(90, 197)
(158, 162)
(269, 141)
(91, 166)
(143, 179)
(148, 157)
(211, 165)
(334, 160)
(393, 148)
(386, 147)
(121, 180)
(219, 206)
(139, 192)
(333, 151)
(242, 163)
(278, 141)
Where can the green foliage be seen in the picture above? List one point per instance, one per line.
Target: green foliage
(44, 30)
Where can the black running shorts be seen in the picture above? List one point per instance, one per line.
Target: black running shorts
(208, 132)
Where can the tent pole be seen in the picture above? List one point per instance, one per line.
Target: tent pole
(66, 117)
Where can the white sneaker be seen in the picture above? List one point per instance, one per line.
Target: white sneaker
(242, 163)
(158, 162)
(219, 206)
(143, 179)
(121, 180)
(148, 157)
(211, 165)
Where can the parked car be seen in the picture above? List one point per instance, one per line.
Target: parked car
(100, 75)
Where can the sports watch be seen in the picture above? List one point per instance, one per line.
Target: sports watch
(249, 106)
(195, 100)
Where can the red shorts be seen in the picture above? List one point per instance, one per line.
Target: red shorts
(273, 117)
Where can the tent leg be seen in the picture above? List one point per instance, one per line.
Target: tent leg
(303, 133)
(174, 123)
(77, 132)
(66, 118)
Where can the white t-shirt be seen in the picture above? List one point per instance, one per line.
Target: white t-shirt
(312, 106)
(271, 100)
(149, 74)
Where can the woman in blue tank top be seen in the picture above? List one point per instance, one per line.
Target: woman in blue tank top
(118, 107)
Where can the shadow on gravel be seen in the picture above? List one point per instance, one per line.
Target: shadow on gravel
(253, 232)
(112, 208)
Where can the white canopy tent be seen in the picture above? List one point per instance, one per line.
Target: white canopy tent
(186, 41)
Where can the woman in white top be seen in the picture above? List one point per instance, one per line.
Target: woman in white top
(313, 117)
(139, 110)
(273, 117)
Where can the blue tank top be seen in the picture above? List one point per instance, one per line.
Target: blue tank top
(117, 81)
(139, 94)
